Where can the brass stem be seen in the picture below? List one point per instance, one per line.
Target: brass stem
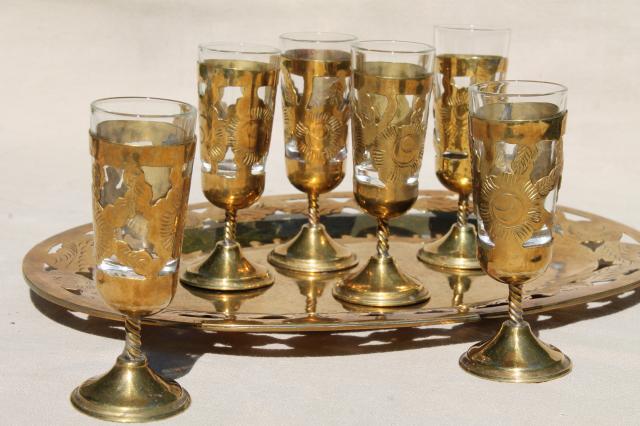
(515, 303)
(458, 297)
(383, 238)
(314, 213)
(310, 307)
(230, 222)
(463, 209)
(133, 342)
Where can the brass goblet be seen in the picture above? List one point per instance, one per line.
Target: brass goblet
(517, 129)
(237, 90)
(466, 55)
(142, 152)
(315, 71)
(391, 86)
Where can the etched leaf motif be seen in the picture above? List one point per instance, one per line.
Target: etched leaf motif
(523, 162)
(289, 92)
(547, 183)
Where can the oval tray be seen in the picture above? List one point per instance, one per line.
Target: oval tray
(593, 258)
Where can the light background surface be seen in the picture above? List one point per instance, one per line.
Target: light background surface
(58, 56)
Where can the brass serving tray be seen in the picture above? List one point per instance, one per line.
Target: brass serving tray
(593, 258)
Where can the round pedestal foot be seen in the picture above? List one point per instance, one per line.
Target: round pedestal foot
(455, 250)
(130, 393)
(515, 355)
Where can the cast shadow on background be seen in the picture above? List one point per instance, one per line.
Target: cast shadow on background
(173, 351)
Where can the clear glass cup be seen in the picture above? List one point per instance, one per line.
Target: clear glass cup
(465, 55)
(391, 87)
(517, 129)
(143, 151)
(315, 73)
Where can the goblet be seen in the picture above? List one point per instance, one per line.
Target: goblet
(391, 86)
(237, 90)
(466, 55)
(142, 152)
(316, 68)
(516, 129)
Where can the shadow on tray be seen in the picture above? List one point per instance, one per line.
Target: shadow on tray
(173, 351)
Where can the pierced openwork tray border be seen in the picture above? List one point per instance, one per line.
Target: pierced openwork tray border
(598, 258)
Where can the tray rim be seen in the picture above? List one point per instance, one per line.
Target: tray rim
(383, 323)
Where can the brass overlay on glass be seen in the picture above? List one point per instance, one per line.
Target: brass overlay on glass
(141, 181)
(457, 249)
(236, 116)
(316, 119)
(517, 167)
(389, 125)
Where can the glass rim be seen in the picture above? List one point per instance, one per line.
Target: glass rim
(239, 47)
(480, 88)
(307, 37)
(189, 110)
(471, 28)
(424, 48)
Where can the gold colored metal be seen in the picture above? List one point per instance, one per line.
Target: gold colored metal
(315, 131)
(457, 248)
(460, 283)
(594, 258)
(312, 286)
(130, 392)
(226, 302)
(235, 141)
(389, 131)
(380, 282)
(141, 180)
(511, 191)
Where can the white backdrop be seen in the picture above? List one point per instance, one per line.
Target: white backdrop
(57, 56)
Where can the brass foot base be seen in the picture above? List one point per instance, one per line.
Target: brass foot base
(226, 269)
(455, 250)
(515, 355)
(380, 284)
(130, 393)
(312, 250)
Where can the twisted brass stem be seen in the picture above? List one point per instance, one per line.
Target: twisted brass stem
(314, 212)
(133, 342)
(463, 209)
(311, 304)
(383, 238)
(515, 303)
(458, 297)
(230, 222)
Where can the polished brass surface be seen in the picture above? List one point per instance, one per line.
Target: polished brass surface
(593, 258)
(226, 269)
(381, 283)
(454, 75)
(515, 354)
(316, 118)
(456, 249)
(141, 181)
(312, 249)
(517, 167)
(390, 117)
(130, 393)
(312, 286)
(235, 137)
